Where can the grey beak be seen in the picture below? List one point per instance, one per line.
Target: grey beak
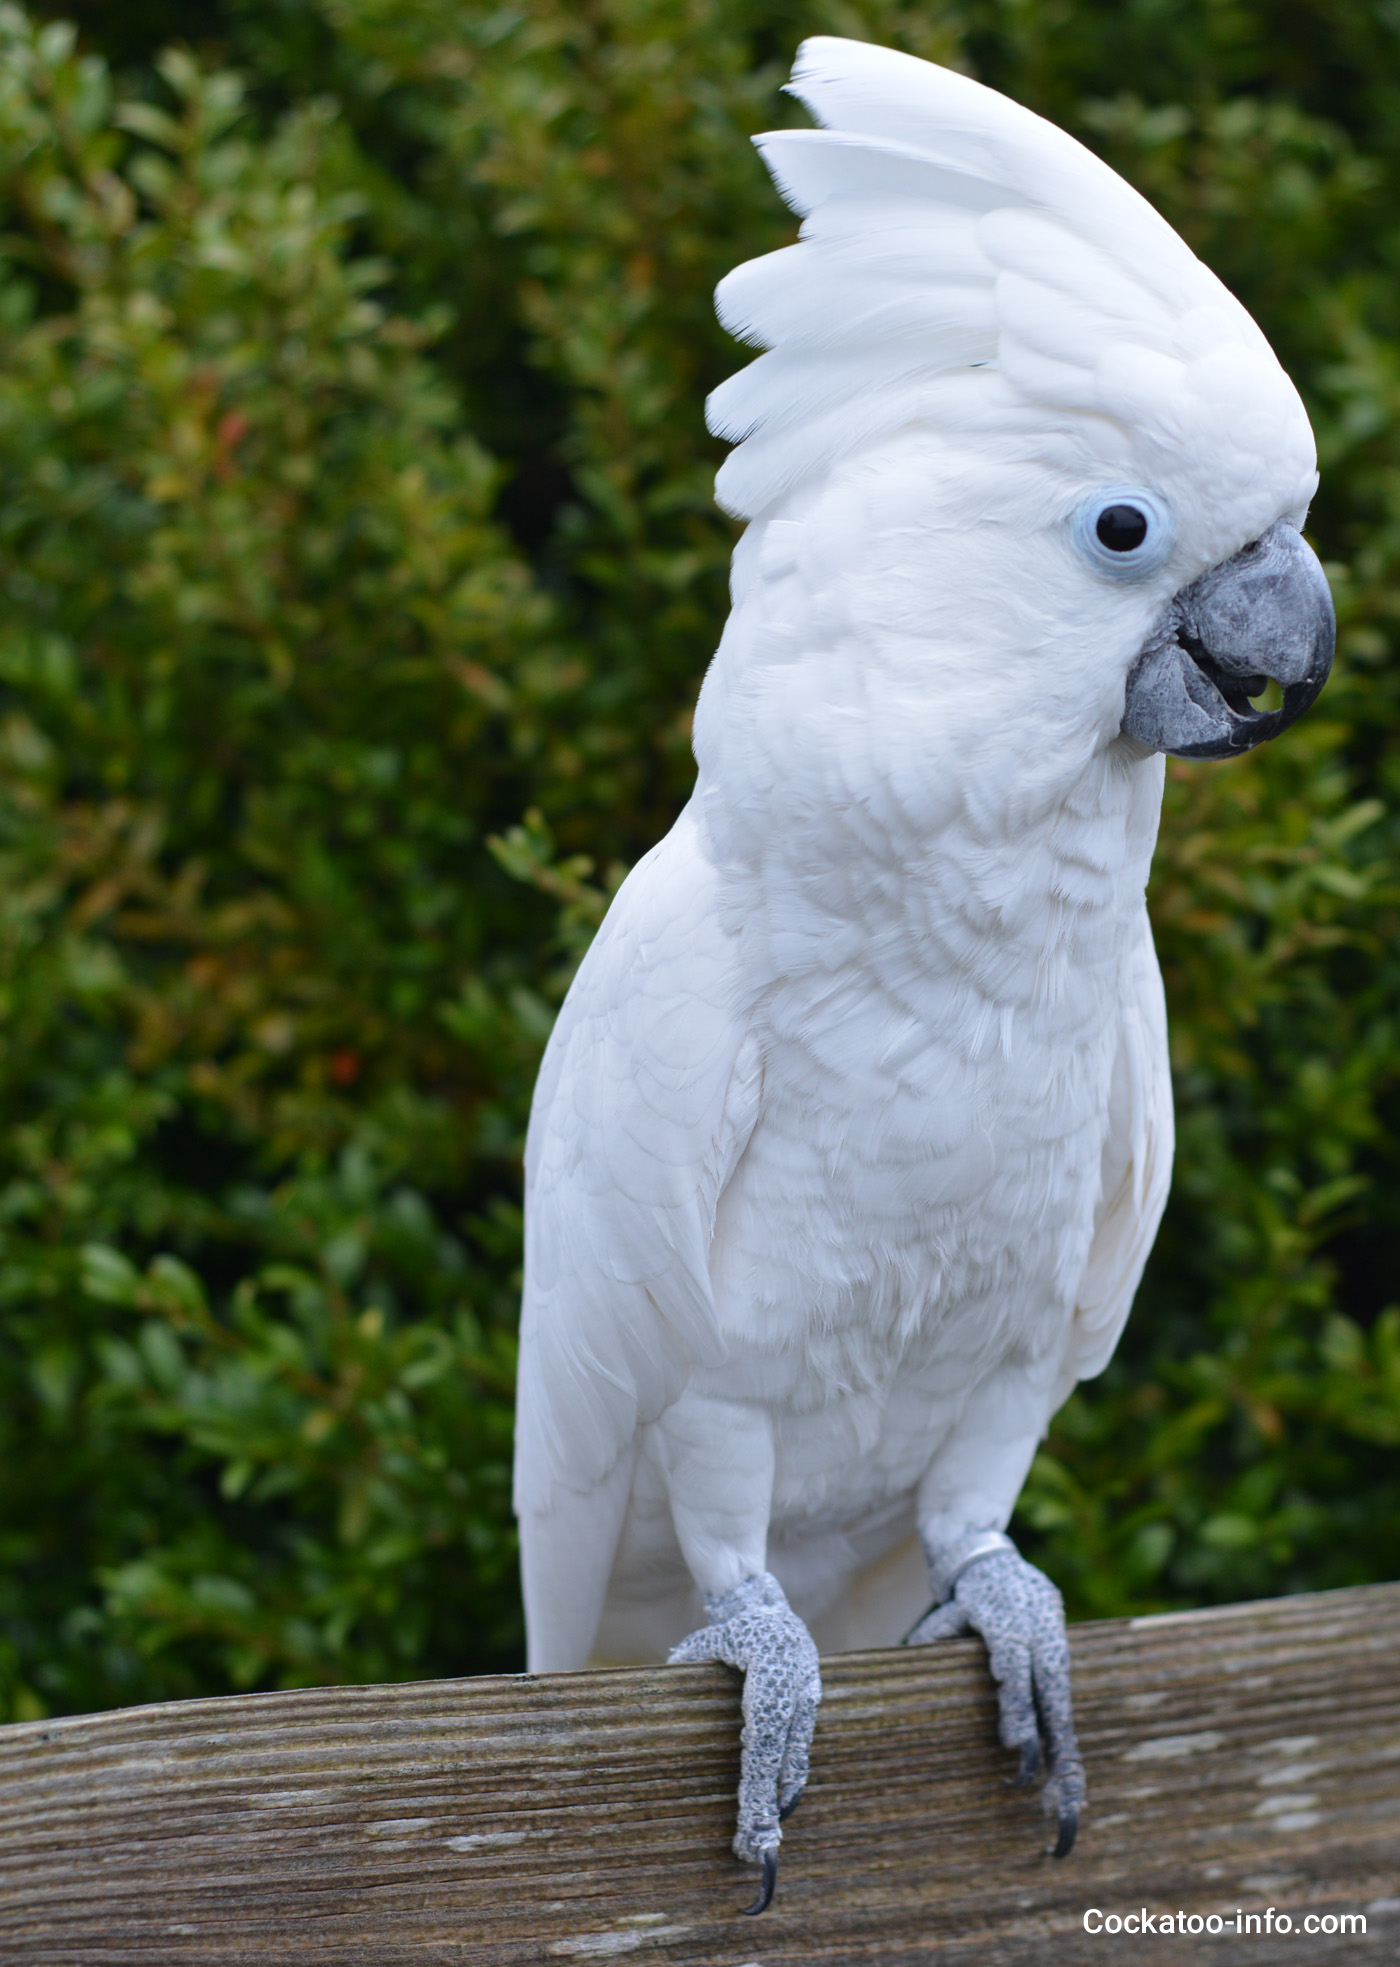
(1265, 615)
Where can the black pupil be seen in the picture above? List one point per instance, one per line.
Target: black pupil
(1121, 528)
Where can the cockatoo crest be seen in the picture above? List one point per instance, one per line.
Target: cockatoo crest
(946, 230)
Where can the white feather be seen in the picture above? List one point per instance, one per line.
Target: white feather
(854, 1132)
(1039, 262)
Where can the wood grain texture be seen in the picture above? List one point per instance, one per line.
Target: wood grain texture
(1243, 1757)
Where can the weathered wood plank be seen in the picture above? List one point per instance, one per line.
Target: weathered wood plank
(1239, 1758)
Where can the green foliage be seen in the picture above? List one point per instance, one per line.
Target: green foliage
(358, 567)
(270, 676)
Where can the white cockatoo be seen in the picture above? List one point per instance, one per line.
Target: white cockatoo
(854, 1131)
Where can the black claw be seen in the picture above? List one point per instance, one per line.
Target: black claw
(770, 1880)
(1069, 1824)
(1030, 1766)
(785, 1810)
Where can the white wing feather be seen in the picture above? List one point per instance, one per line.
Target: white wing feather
(646, 1099)
(1137, 1167)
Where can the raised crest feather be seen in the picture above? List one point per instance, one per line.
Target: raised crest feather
(944, 228)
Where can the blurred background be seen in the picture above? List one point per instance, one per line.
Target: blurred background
(358, 569)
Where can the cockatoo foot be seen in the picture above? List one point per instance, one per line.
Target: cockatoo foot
(754, 1629)
(1021, 1618)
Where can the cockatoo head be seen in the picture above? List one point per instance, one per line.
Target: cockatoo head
(1037, 437)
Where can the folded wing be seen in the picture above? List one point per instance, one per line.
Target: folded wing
(645, 1101)
(1137, 1167)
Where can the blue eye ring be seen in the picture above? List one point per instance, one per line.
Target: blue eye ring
(1124, 531)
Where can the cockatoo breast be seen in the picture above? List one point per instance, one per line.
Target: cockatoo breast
(932, 846)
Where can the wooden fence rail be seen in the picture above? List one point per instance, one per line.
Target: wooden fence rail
(1242, 1758)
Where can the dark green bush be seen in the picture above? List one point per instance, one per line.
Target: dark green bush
(358, 567)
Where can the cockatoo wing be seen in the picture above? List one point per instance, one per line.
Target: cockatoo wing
(946, 228)
(1137, 1167)
(646, 1099)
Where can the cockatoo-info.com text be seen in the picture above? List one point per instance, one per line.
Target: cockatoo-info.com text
(853, 1134)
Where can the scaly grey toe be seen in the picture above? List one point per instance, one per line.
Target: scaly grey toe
(754, 1629)
(1021, 1618)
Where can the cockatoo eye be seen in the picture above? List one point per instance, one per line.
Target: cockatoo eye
(1121, 527)
(1124, 530)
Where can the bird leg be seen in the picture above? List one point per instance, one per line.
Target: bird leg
(984, 1585)
(754, 1629)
